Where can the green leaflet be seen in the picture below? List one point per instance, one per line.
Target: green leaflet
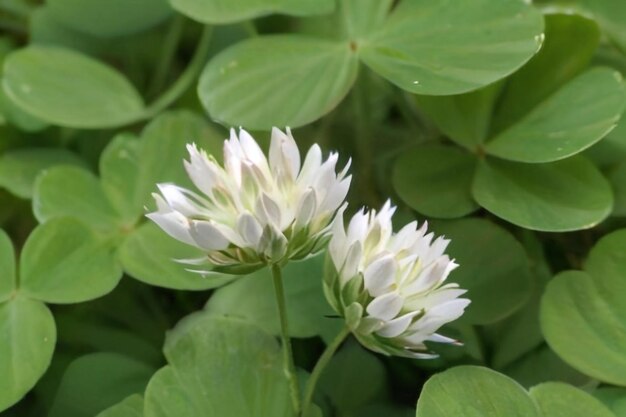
(582, 312)
(219, 366)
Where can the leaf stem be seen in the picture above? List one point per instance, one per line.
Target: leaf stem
(320, 366)
(288, 363)
(170, 44)
(186, 78)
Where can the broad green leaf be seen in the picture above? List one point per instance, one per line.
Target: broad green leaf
(96, 381)
(463, 118)
(560, 196)
(472, 391)
(618, 181)
(387, 410)
(572, 119)
(19, 168)
(219, 367)
(253, 298)
(446, 47)
(74, 192)
(66, 88)
(119, 175)
(436, 180)
(150, 255)
(611, 15)
(359, 18)
(543, 365)
(45, 29)
(64, 262)
(163, 148)
(494, 268)
(583, 316)
(240, 85)
(129, 407)
(28, 337)
(570, 41)
(111, 18)
(556, 399)
(614, 398)
(231, 11)
(7, 267)
(353, 378)
(18, 117)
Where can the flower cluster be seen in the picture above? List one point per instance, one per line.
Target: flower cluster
(254, 211)
(257, 210)
(390, 286)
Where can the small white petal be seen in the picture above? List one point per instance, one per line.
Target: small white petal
(396, 326)
(251, 149)
(350, 267)
(307, 207)
(268, 211)
(336, 195)
(311, 166)
(438, 338)
(380, 275)
(174, 224)
(249, 229)
(207, 236)
(385, 307)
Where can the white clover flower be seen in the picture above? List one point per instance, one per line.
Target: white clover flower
(389, 286)
(252, 212)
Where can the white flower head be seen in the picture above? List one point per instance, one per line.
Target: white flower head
(254, 210)
(390, 286)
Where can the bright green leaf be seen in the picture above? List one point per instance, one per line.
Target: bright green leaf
(163, 148)
(7, 266)
(67, 88)
(436, 180)
(240, 86)
(64, 262)
(583, 316)
(74, 192)
(446, 47)
(570, 120)
(19, 168)
(119, 175)
(231, 11)
(560, 196)
(28, 337)
(472, 391)
(359, 18)
(150, 255)
(614, 398)
(353, 378)
(463, 118)
(570, 41)
(494, 268)
(18, 117)
(129, 407)
(556, 399)
(253, 298)
(543, 365)
(96, 381)
(111, 18)
(219, 367)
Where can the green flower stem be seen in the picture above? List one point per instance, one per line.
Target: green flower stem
(288, 364)
(185, 80)
(320, 366)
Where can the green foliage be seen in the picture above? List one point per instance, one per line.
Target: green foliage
(219, 366)
(582, 313)
(498, 121)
